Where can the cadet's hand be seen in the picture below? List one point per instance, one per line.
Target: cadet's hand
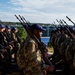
(44, 72)
(50, 68)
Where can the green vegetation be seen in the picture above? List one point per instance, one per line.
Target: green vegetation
(22, 33)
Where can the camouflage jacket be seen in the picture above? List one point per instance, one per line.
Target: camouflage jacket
(29, 58)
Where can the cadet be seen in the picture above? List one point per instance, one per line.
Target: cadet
(2, 37)
(16, 40)
(8, 34)
(29, 57)
(4, 50)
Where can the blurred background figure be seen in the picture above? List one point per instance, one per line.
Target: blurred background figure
(17, 41)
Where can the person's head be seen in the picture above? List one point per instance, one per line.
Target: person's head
(2, 27)
(37, 30)
(14, 29)
(8, 28)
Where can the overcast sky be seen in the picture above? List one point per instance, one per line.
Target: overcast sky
(40, 11)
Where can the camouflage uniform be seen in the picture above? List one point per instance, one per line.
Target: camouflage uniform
(29, 58)
(69, 55)
(16, 40)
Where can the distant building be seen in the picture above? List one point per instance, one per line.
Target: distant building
(49, 28)
(47, 33)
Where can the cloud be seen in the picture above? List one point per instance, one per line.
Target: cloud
(45, 6)
(44, 11)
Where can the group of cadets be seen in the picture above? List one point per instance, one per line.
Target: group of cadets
(63, 45)
(64, 50)
(9, 44)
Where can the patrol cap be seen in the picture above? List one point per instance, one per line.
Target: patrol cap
(2, 26)
(14, 28)
(8, 27)
(37, 27)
